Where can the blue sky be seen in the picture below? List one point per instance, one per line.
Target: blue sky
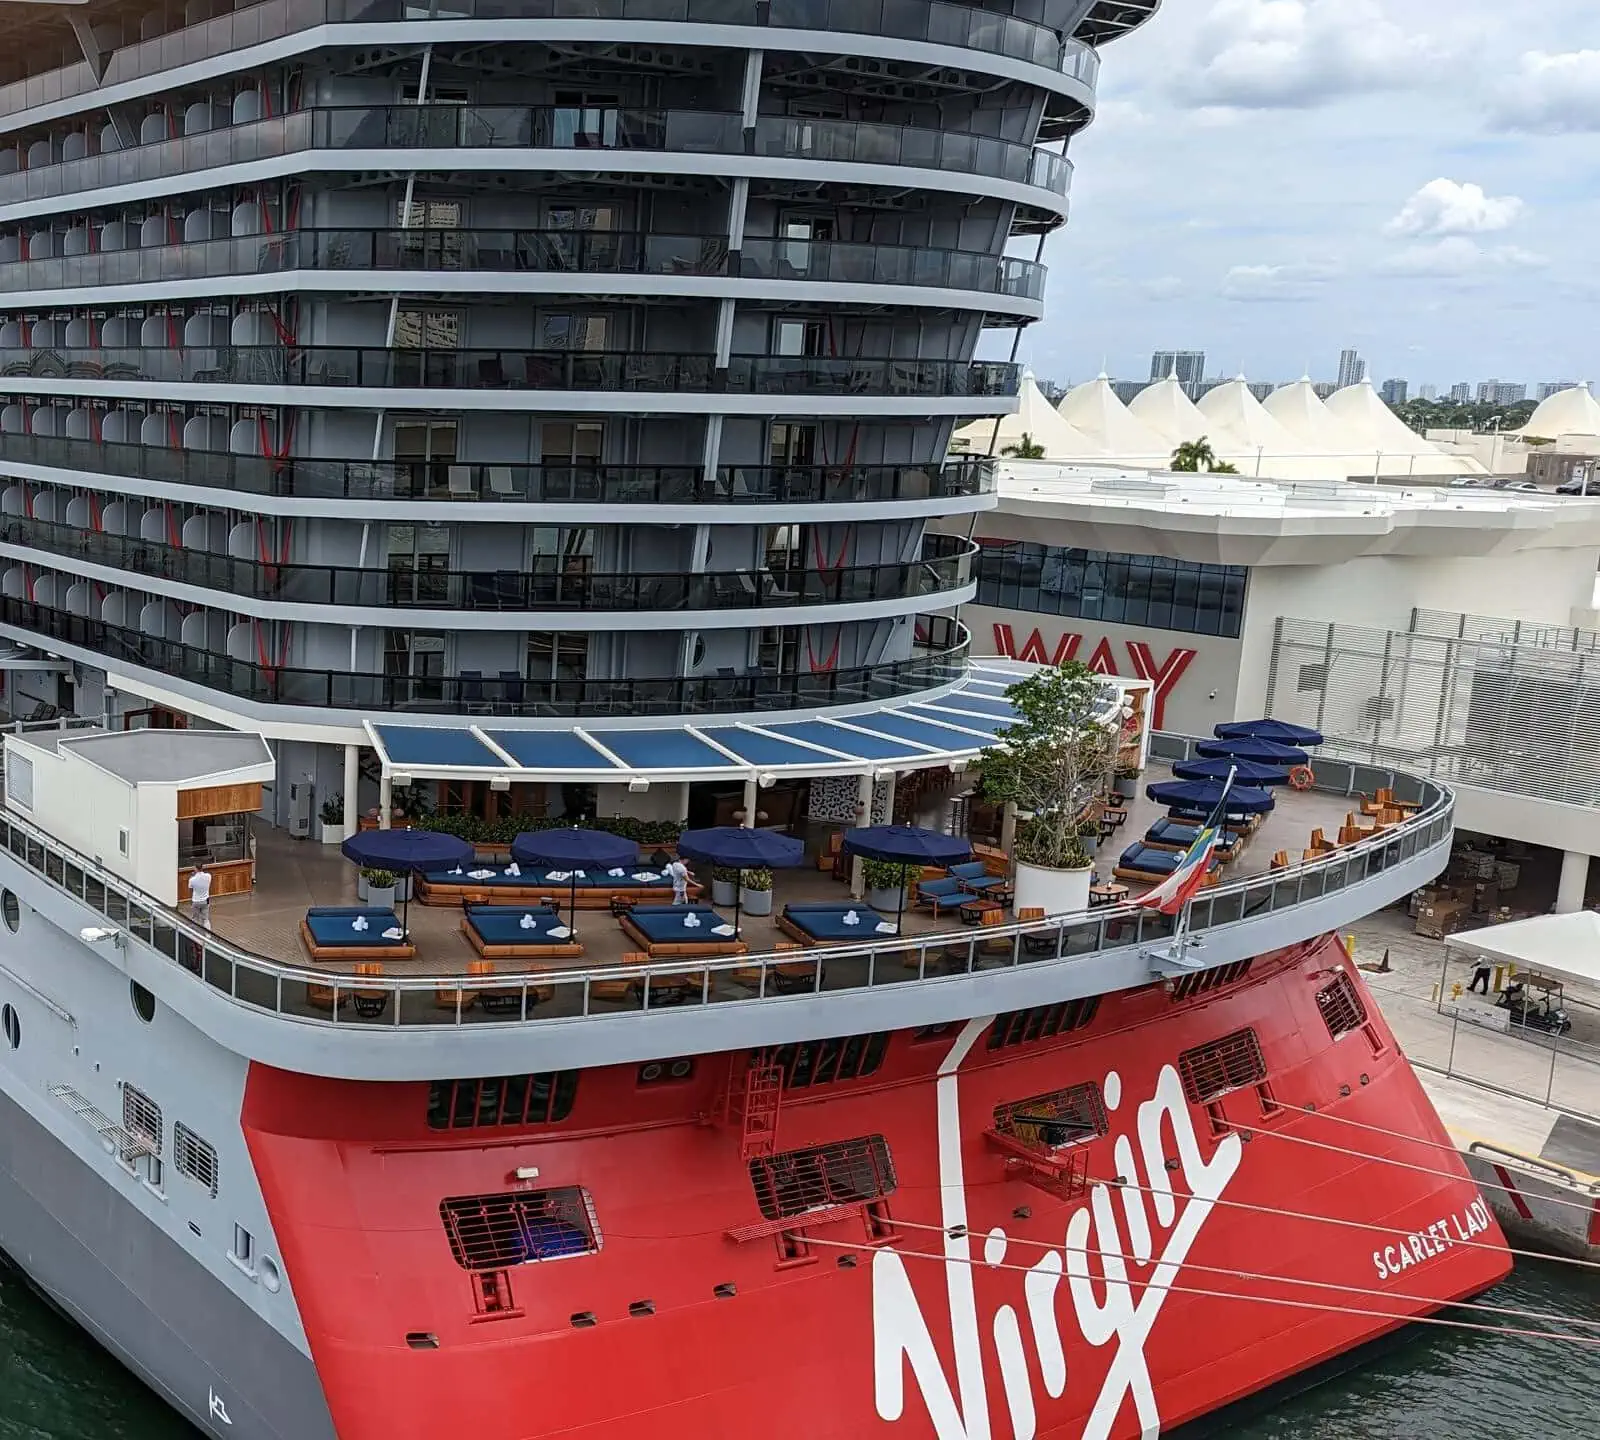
(1273, 180)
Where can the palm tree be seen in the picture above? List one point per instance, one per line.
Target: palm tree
(1196, 455)
(1026, 448)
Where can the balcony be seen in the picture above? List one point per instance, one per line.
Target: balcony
(644, 485)
(936, 22)
(630, 371)
(539, 252)
(941, 661)
(588, 133)
(552, 585)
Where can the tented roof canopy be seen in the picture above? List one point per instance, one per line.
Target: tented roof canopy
(1034, 417)
(1095, 411)
(1573, 411)
(1299, 409)
(1566, 947)
(1166, 410)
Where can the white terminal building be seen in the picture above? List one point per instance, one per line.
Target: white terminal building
(1363, 610)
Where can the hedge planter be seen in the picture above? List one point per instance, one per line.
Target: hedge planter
(1056, 892)
(887, 899)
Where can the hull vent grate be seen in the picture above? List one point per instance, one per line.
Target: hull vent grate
(126, 1145)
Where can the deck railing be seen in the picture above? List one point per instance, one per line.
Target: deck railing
(441, 999)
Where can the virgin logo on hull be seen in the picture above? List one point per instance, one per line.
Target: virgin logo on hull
(1163, 677)
(1093, 1261)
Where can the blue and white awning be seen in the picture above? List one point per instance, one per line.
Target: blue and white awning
(903, 734)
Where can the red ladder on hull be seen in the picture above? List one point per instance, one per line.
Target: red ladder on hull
(752, 1101)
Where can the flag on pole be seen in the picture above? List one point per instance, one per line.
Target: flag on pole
(1173, 893)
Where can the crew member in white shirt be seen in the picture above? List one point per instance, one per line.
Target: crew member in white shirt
(678, 873)
(200, 896)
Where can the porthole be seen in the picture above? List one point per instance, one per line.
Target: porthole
(144, 1003)
(11, 909)
(11, 1025)
(271, 1276)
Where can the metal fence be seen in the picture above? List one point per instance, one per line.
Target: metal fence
(1518, 718)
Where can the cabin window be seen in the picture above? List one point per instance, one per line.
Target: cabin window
(1202, 981)
(495, 1232)
(540, 1099)
(1041, 1022)
(846, 1172)
(820, 1062)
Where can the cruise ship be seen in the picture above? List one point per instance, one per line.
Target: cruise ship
(486, 416)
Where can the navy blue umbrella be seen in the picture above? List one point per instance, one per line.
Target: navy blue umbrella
(1267, 752)
(741, 848)
(574, 848)
(1245, 772)
(1280, 730)
(403, 851)
(1205, 794)
(907, 845)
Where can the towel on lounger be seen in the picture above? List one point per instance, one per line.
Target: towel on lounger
(558, 932)
(561, 876)
(513, 869)
(691, 922)
(616, 874)
(528, 923)
(360, 923)
(883, 927)
(644, 877)
(480, 874)
(394, 932)
(722, 930)
(850, 918)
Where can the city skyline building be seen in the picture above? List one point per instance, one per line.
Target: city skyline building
(1501, 392)
(1394, 392)
(1352, 369)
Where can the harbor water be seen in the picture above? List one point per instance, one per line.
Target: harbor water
(55, 1384)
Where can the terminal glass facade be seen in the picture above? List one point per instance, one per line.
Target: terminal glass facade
(1146, 590)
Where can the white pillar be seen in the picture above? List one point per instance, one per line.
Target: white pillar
(683, 803)
(864, 789)
(888, 802)
(751, 797)
(1574, 881)
(385, 800)
(352, 786)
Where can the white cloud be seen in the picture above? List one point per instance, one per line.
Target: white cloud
(1296, 54)
(1552, 94)
(1442, 207)
(1455, 257)
(1278, 283)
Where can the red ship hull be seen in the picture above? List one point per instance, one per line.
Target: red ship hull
(970, 1275)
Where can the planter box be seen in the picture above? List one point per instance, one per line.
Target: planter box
(723, 892)
(755, 902)
(887, 901)
(1056, 892)
(379, 898)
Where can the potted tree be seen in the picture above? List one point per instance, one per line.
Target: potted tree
(1126, 783)
(1089, 834)
(886, 884)
(332, 817)
(376, 887)
(755, 892)
(724, 884)
(1049, 764)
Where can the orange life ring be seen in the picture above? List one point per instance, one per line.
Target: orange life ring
(1301, 778)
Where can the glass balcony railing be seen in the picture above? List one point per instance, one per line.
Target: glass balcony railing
(551, 583)
(586, 370)
(942, 662)
(522, 127)
(1368, 875)
(965, 26)
(319, 479)
(546, 252)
